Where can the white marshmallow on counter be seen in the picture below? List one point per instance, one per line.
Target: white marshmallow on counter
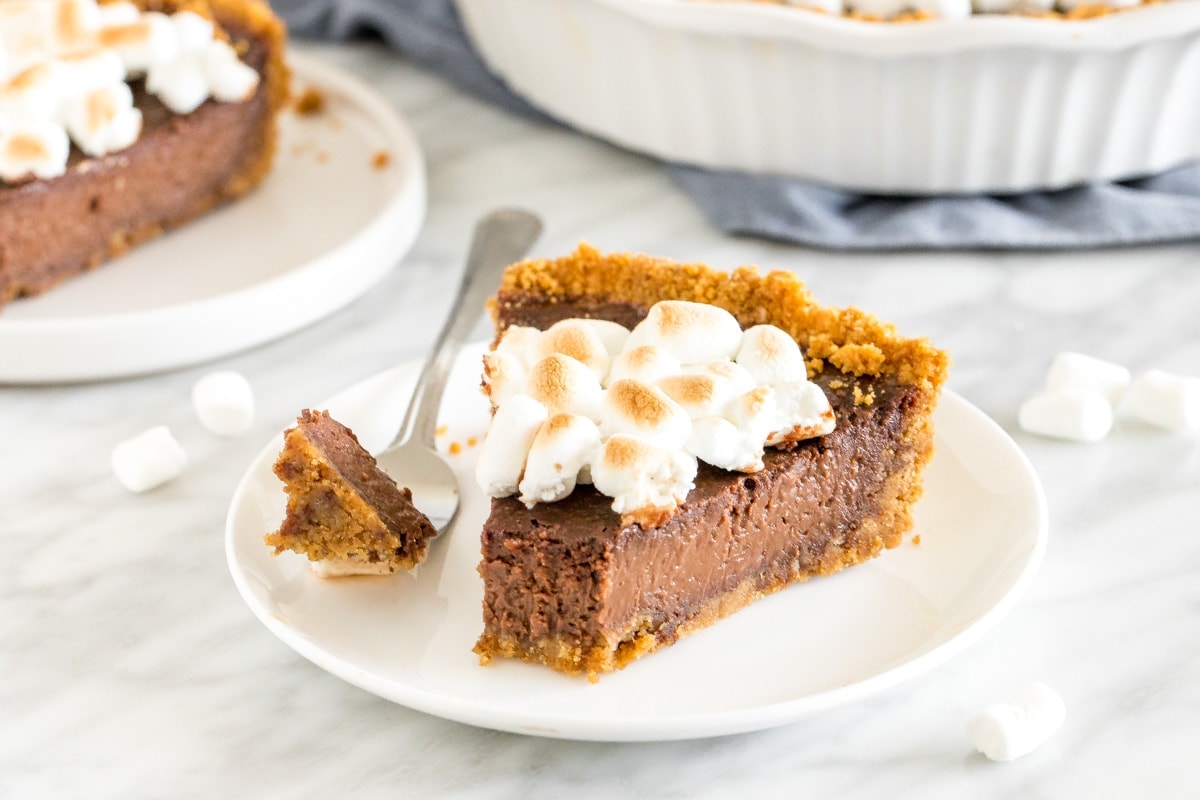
(505, 450)
(149, 459)
(224, 402)
(1165, 400)
(771, 356)
(565, 444)
(1078, 371)
(1076, 415)
(1006, 731)
(639, 475)
(34, 148)
(692, 332)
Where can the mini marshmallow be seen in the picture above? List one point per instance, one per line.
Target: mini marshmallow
(504, 375)
(1078, 371)
(643, 477)
(224, 403)
(148, 460)
(85, 73)
(151, 40)
(1069, 414)
(717, 441)
(36, 149)
(179, 84)
(738, 376)
(1006, 731)
(638, 409)
(520, 341)
(1165, 400)
(564, 444)
(36, 94)
(503, 455)
(564, 385)
(802, 412)
(700, 395)
(229, 80)
(645, 363)
(693, 332)
(193, 31)
(612, 334)
(578, 340)
(111, 15)
(104, 121)
(754, 413)
(771, 356)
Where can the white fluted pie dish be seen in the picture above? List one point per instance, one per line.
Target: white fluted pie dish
(983, 104)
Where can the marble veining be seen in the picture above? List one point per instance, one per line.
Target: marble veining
(130, 668)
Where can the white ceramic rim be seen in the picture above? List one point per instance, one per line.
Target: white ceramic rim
(1165, 20)
(395, 226)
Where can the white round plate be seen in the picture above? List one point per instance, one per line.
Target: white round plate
(325, 225)
(408, 638)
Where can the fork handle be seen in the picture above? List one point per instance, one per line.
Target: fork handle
(501, 238)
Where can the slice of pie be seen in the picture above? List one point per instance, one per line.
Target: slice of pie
(119, 121)
(343, 512)
(577, 581)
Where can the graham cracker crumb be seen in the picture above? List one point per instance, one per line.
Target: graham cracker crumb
(917, 539)
(310, 102)
(455, 448)
(381, 160)
(863, 398)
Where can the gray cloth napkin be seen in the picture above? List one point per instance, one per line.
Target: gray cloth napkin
(1159, 209)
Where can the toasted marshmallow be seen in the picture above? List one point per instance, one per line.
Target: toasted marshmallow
(224, 402)
(179, 84)
(229, 80)
(33, 149)
(574, 338)
(1076, 371)
(1166, 400)
(645, 411)
(754, 413)
(149, 459)
(802, 412)
(693, 332)
(151, 40)
(88, 71)
(717, 441)
(700, 395)
(646, 363)
(503, 375)
(104, 121)
(1019, 725)
(565, 386)
(612, 334)
(646, 481)
(1073, 414)
(36, 94)
(771, 356)
(564, 444)
(504, 452)
(520, 341)
(739, 378)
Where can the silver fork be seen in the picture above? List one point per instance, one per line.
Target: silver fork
(500, 238)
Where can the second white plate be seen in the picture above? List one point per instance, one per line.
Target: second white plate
(327, 223)
(982, 527)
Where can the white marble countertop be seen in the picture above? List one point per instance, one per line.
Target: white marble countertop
(130, 667)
